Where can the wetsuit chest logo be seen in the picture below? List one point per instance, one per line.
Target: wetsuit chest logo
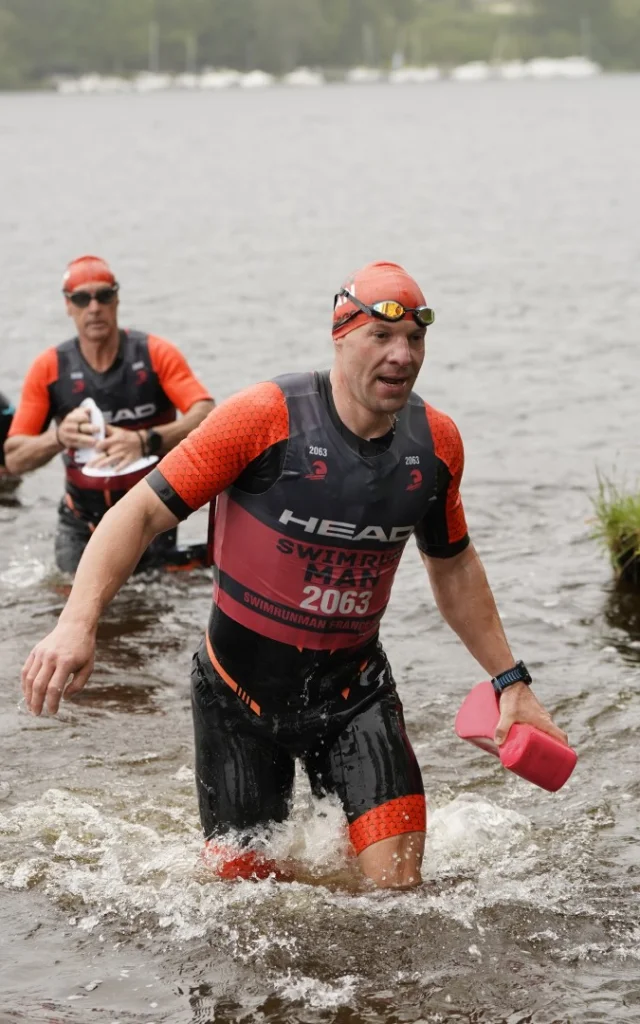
(318, 470)
(77, 383)
(347, 531)
(139, 412)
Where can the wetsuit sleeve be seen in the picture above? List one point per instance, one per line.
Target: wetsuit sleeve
(34, 410)
(442, 533)
(176, 377)
(212, 457)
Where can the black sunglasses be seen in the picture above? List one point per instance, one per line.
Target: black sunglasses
(387, 309)
(82, 299)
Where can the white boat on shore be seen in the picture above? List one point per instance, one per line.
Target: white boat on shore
(511, 70)
(414, 75)
(86, 84)
(219, 78)
(363, 76)
(151, 81)
(304, 77)
(565, 67)
(474, 71)
(256, 80)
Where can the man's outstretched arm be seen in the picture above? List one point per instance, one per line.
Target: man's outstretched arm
(466, 603)
(201, 467)
(110, 557)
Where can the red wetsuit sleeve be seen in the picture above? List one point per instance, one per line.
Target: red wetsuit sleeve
(176, 377)
(34, 410)
(216, 452)
(443, 531)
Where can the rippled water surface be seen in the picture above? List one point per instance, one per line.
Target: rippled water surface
(230, 220)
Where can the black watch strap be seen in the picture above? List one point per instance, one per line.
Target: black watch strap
(518, 674)
(154, 442)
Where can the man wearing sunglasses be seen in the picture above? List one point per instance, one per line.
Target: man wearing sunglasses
(320, 480)
(137, 380)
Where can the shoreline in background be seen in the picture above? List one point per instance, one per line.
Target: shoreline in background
(538, 69)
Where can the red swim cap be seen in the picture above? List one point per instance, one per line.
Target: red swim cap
(85, 269)
(374, 283)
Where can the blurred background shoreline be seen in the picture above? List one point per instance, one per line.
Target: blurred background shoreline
(148, 45)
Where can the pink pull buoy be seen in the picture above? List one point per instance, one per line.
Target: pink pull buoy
(527, 751)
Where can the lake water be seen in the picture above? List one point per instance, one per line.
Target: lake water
(230, 219)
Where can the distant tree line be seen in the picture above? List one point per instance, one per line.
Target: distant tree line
(40, 38)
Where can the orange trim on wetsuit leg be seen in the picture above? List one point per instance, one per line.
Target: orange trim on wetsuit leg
(393, 818)
(242, 694)
(196, 563)
(229, 863)
(69, 502)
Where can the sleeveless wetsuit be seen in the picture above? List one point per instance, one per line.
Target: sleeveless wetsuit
(308, 531)
(148, 380)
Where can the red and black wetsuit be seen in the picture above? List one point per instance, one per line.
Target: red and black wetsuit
(309, 528)
(145, 385)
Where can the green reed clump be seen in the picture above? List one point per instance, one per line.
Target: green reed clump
(618, 527)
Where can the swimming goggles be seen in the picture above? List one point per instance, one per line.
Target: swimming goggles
(387, 309)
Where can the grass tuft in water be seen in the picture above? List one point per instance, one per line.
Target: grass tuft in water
(617, 518)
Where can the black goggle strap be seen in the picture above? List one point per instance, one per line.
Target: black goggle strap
(350, 315)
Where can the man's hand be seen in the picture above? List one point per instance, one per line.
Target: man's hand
(76, 430)
(519, 705)
(119, 449)
(68, 650)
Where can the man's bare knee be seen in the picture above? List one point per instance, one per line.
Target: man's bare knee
(394, 863)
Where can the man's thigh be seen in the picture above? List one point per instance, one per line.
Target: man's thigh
(371, 766)
(72, 537)
(244, 779)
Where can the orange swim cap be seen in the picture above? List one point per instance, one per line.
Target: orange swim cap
(374, 283)
(84, 269)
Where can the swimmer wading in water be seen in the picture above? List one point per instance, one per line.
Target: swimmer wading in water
(321, 478)
(137, 380)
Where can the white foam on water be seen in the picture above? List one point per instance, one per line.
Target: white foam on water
(315, 835)
(24, 571)
(113, 865)
(145, 878)
(120, 869)
(468, 832)
(317, 994)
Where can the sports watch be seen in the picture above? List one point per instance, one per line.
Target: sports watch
(517, 674)
(153, 442)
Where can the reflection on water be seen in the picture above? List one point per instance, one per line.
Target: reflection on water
(118, 697)
(622, 613)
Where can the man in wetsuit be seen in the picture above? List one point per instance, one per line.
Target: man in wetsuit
(137, 380)
(320, 480)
